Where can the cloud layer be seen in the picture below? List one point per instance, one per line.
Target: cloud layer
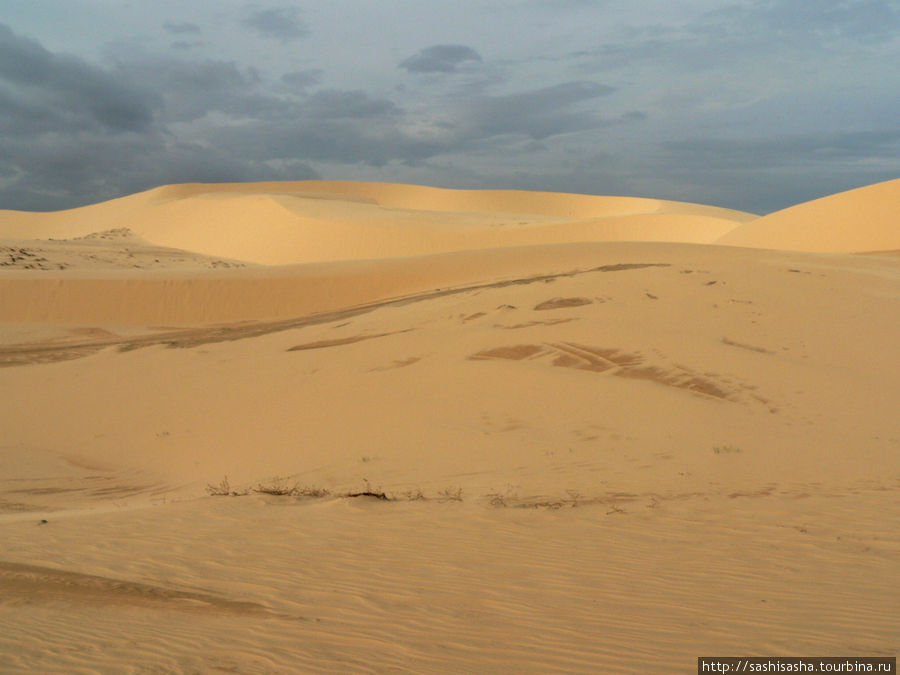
(439, 59)
(282, 23)
(76, 132)
(751, 104)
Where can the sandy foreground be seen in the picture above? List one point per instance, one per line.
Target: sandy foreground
(358, 427)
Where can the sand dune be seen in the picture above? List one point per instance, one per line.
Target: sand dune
(863, 220)
(316, 221)
(456, 431)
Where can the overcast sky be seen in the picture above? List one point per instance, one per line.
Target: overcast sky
(749, 104)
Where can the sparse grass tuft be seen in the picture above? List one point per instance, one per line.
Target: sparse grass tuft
(282, 487)
(726, 449)
(504, 499)
(496, 499)
(278, 487)
(312, 492)
(450, 494)
(223, 489)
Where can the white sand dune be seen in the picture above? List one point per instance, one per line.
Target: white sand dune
(863, 220)
(606, 444)
(316, 221)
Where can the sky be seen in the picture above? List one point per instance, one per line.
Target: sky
(748, 104)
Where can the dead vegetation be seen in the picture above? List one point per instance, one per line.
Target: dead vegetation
(508, 498)
(283, 487)
(223, 489)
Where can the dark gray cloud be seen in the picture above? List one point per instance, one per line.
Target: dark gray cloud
(537, 114)
(784, 170)
(773, 189)
(337, 104)
(439, 59)
(302, 79)
(570, 4)
(351, 127)
(859, 20)
(795, 150)
(755, 105)
(190, 89)
(208, 120)
(65, 170)
(282, 23)
(759, 105)
(46, 90)
(73, 133)
(181, 28)
(184, 45)
(735, 33)
(345, 141)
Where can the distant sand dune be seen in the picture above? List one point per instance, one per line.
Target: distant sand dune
(392, 240)
(316, 221)
(863, 220)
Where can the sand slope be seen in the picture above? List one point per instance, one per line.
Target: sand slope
(596, 456)
(861, 220)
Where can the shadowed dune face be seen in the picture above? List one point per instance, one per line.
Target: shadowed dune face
(469, 431)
